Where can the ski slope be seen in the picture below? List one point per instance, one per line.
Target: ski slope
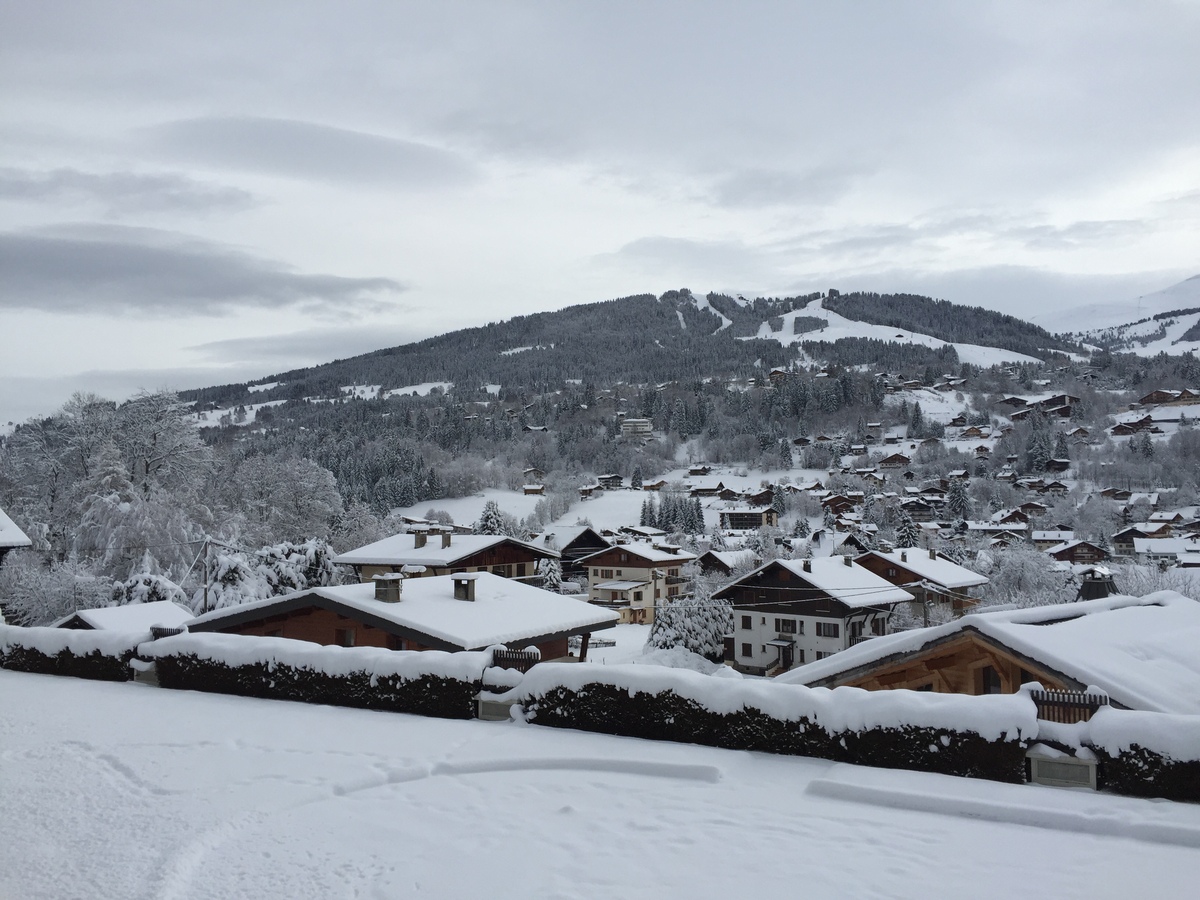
(838, 327)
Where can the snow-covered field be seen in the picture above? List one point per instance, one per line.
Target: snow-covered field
(129, 791)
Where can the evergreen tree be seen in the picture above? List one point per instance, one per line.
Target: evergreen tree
(916, 423)
(1061, 450)
(801, 529)
(698, 623)
(909, 533)
(491, 520)
(635, 480)
(551, 571)
(958, 504)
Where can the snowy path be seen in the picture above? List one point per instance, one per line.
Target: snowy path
(134, 792)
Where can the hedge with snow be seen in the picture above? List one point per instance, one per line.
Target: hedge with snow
(99, 655)
(428, 683)
(981, 737)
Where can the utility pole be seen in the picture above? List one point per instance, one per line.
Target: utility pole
(206, 573)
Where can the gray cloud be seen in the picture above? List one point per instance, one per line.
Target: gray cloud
(113, 268)
(307, 150)
(667, 257)
(766, 187)
(307, 347)
(121, 192)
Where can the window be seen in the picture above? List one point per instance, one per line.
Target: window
(989, 680)
(746, 626)
(504, 571)
(278, 632)
(828, 629)
(785, 626)
(637, 596)
(800, 655)
(595, 573)
(520, 570)
(891, 573)
(344, 637)
(618, 573)
(747, 649)
(672, 592)
(823, 654)
(606, 573)
(674, 573)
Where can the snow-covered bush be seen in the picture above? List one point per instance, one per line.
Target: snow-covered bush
(289, 567)
(697, 623)
(146, 588)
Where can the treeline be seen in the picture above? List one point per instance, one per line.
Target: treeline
(947, 321)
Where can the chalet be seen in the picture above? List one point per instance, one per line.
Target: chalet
(1138, 650)
(610, 482)
(918, 510)
(707, 489)
(801, 441)
(749, 518)
(1055, 488)
(573, 542)
(788, 612)
(633, 578)
(837, 503)
(895, 461)
(534, 474)
(934, 580)
(468, 611)
(723, 562)
(765, 497)
(656, 485)
(1163, 550)
(982, 451)
(1032, 508)
(701, 471)
(959, 421)
(1009, 517)
(1078, 553)
(535, 428)
(1058, 465)
(1122, 541)
(958, 475)
(1044, 540)
(430, 554)
(11, 537)
(132, 617)
(1079, 433)
(1159, 397)
(1014, 402)
(587, 491)
(974, 431)
(642, 532)
(533, 490)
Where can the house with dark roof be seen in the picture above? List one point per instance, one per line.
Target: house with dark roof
(433, 552)
(788, 612)
(635, 578)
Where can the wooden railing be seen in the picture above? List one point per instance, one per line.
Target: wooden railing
(521, 660)
(1067, 706)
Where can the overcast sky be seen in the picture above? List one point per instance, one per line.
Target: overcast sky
(199, 193)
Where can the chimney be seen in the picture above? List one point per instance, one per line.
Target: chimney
(388, 587)
(419, 539)
(446, 535)
(932, 553)
(464, 586)
(849, 562)
(807, 565)
(903, 556)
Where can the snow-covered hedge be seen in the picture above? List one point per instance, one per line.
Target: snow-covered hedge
(1144, 754)
(430, 683)
(981, 737)
(100, 655)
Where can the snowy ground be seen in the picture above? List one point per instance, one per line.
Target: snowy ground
(122, 790)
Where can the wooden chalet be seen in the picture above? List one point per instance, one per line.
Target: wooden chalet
(933, 579)
(573, 543)
(469, 611)
(431, 553)
(1066, 647)
(723, 562)
(1079, 553)
(634, 578)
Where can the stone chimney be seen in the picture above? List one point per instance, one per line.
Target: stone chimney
(848, 561)
(419, 539)
(464, 586)
(388, 587)
(806, 565)
(932, 553)
(903, 556)
(446, 536)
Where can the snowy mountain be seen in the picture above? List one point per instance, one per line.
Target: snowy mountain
(679, 335)
(1166, 321)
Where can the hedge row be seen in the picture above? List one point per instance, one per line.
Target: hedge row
(1140, 772)
(101, 656)
(423, 695)
(668, 716)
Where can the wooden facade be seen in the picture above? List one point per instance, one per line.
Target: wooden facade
(507, 559)
(965, 663)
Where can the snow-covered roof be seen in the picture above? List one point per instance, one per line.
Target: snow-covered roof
(647, 551)
(401, 549)
(1140, 650)
(938, 569)
(1165, 546)
(11, 537)
(504, 610)
(132, 617)
(733, 558)
(851, 584)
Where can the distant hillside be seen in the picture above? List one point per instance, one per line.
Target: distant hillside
(948, 321)
(645, 339)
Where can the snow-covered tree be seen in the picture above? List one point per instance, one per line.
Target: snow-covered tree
(551, 572)
(635, 480)
(283, 498)
(146, 588)
(908, 534)
(491, 520)
(288, 567)
(698, 623)
(37, 594)
(958, 503)
(231, 581)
